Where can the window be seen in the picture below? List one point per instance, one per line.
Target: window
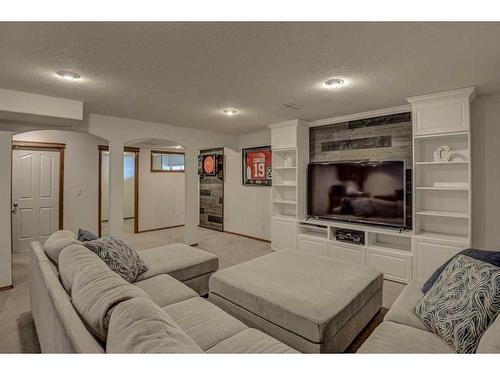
(167, 162)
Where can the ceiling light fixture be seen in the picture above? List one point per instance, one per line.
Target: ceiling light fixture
(69, 76)
(229, 111)
(333, 83)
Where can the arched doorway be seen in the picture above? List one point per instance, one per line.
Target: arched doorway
(130, 188)
(153, 189)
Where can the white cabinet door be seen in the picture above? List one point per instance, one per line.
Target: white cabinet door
(35, 196)
(311, 245)
(284, 137)
(351, 254)
(444, 115)
(394, 266)
(431, 254)
(283, 234)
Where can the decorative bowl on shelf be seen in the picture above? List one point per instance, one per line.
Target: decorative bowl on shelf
(443, 153)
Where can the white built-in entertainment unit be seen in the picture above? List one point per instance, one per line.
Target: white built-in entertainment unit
(441, 191)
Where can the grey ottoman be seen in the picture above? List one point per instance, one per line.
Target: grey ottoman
(312, 303)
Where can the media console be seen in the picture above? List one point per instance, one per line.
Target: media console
(383, 248)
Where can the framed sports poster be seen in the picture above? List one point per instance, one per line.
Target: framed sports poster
(257, 166)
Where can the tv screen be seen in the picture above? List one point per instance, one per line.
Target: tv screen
(368, 191)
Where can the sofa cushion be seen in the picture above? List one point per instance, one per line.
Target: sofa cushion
(140, 326)
(180, 261)
(390, 337)
(118, 256)
(403, 309)
(204, 322)
(251, 341)
(491, 257)
(96, 291)
(462, 303)
(57, 241)
(490, 342)
(312, 296)
(76, 258)
(165, 290)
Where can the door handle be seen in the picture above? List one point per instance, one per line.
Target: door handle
(14, 209)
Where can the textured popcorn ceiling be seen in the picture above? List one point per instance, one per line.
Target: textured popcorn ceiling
(185, 73)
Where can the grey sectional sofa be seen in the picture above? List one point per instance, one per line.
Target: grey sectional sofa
(403, 332)
(81, 306)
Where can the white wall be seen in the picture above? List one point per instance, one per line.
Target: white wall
(161, 196)
(247, 209)
(24, 102)
(5, 207)
(81, 159)
(486, 172)
(128, 185)
(105, 186)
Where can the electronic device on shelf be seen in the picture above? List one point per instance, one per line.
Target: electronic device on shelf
(350, 236)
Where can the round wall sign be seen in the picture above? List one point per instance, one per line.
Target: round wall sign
(209, 164)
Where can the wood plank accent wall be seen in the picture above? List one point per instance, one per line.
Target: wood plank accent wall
(377, 138)
(212, 194)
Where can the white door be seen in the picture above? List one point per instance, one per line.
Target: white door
(35, 196)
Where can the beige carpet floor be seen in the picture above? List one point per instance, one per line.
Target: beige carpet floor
(17, 331)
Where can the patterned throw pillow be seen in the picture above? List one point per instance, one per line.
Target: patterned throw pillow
(462, 303)
(118, 256)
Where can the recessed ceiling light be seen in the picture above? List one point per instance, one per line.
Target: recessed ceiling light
(333, 83)
(229, 111)
(70, 76)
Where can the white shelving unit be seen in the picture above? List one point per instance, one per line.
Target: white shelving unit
(441, 162)
(285, 183)
(289, 143)
(443, 188)
(456, 215)
(442, 195)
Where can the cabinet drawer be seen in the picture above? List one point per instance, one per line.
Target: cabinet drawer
(432, 254)
(394, 266)
(283, 234)
(352, 254)
(312, 245)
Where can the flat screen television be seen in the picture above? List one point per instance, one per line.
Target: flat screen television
(365, 191)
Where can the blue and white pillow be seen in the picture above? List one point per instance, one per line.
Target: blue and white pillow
(462, 303)
(86, 235)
